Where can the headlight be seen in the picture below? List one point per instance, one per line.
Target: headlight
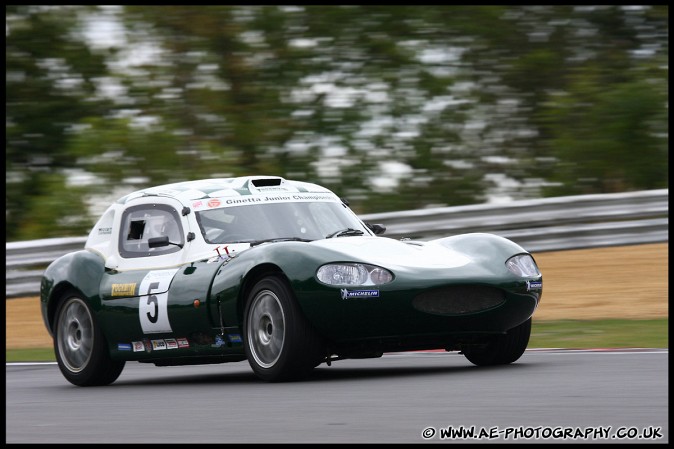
(353, 274)
(523, 265)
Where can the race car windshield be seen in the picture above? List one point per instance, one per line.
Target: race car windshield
(254, 223)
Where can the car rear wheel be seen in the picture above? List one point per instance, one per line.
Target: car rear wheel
(80, 347)
(503, 349)
(280, 344)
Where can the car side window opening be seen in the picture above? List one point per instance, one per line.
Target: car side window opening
(143, 222)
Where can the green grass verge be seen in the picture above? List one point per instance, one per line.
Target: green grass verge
(576, 334)
(586, 334)
(30, 355)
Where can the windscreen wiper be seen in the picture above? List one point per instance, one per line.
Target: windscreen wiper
(279, 239)
(345, 232)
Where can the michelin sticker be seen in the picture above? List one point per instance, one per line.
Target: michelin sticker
(348, 294)
(153, 307)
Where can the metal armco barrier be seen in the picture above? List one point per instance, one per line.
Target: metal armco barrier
(549, 224)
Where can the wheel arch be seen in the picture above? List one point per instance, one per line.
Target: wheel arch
(79, 272)
(250, 279)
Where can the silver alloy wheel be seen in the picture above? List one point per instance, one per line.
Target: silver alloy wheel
(75, 335)
(266, 328)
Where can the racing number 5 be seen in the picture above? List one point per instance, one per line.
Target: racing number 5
(152, 300)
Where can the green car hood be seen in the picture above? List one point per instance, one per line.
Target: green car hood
(466, 255)
(388, 252)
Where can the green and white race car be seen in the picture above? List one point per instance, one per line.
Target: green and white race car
(281, 273)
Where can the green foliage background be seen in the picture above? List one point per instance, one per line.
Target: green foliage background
(392, 107)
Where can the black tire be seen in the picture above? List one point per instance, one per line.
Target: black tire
(80, 347)
(503, 349)
(280, 343)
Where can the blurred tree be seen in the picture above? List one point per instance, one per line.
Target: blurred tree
(609, 140)
(49, 86)
(608, 128)
(393, 107)
(302, 97)
(591, 84)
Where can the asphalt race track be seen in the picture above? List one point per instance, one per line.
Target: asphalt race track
(547, 396)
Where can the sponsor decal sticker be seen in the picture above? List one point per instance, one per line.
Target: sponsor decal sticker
(147, 344)
(104, 231)
(288, 198)
(534, 285)
(183, 343)
(171, 343)
(226, 200)
(138, 346)
(218, 342)
(348, 294)
(235, 338)
(123, 289)
(158, 345)
(123, 346)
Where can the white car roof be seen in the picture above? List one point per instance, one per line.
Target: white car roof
(189, 191)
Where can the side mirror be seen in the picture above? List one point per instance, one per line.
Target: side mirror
(158, 242)
(378, 229)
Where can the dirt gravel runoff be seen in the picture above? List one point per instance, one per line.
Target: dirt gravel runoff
(615, 282)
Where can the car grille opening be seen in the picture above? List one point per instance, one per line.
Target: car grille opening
(459, 299)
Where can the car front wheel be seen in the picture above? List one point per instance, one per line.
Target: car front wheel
(279, 342)
(80, 347)
(503, 349)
